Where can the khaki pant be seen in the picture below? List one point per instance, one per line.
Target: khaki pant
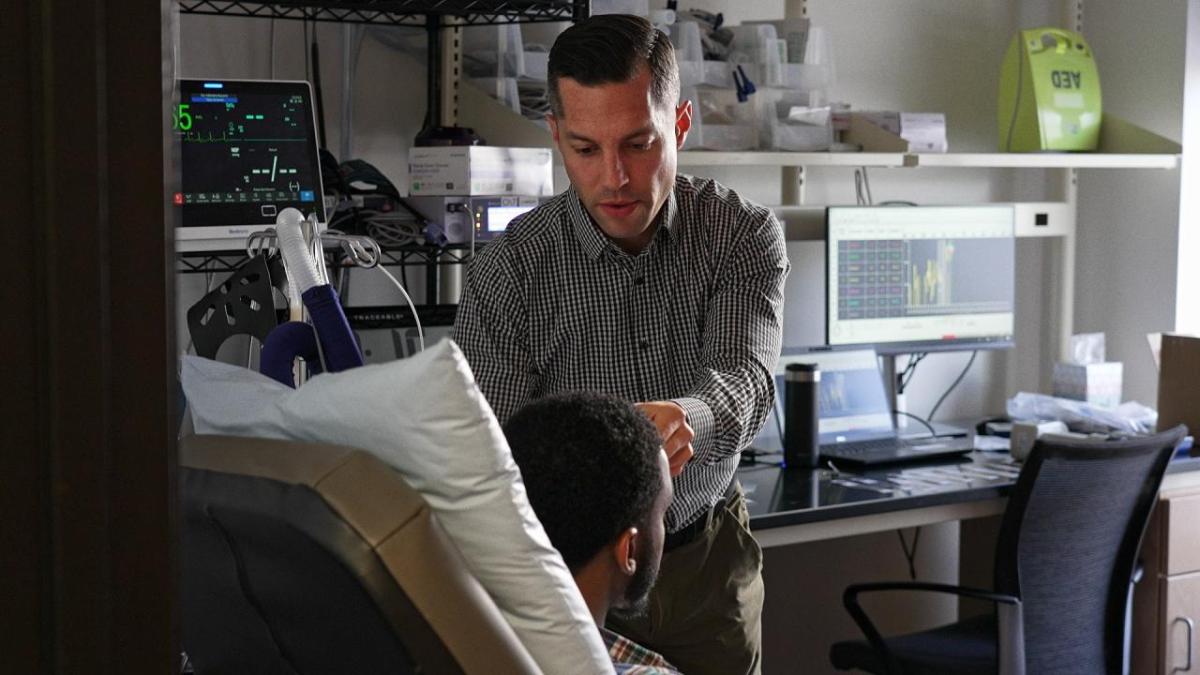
(705, 612)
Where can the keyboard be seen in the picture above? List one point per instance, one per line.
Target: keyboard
(894, 450)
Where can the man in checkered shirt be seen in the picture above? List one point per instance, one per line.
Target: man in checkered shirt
(655, 287)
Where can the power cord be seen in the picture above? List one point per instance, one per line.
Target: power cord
(953, 385)
(413, 307)
(910, 554)
(922, 420)
(910, 369)
(862, 187)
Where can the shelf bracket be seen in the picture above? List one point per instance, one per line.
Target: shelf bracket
(794, 186)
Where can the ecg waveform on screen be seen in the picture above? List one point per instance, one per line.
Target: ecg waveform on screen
(225, 120)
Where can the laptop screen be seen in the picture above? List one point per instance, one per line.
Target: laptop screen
(852, 402)
(248, 151)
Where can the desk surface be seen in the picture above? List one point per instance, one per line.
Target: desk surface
(777, 497)
(797, 505)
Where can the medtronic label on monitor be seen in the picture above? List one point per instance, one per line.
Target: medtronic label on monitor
(918, 278)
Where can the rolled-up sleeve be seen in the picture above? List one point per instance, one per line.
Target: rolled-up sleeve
(734, 388)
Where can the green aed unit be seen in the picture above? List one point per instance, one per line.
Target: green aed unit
(1049, 93)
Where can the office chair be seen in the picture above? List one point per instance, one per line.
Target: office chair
(1065, 564)
(307, 558)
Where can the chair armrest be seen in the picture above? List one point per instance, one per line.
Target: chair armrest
(1010, 621)
(854, 590)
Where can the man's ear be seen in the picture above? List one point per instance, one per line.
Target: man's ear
(625, 551)
(683, 123)
(553, 122)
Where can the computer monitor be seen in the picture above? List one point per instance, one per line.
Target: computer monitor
(906, 279)
(248, 151)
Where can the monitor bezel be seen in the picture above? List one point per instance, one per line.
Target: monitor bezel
(232, 237)
(986, 342)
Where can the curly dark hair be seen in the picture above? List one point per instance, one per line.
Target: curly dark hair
(591, 468)
(612, 48)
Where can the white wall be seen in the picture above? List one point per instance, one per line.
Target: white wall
(1129, 220)
(1187, 308)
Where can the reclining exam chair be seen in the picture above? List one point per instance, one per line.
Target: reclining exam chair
(304, 558)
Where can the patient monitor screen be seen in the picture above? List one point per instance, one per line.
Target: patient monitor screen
(248, 151)
(905, 278)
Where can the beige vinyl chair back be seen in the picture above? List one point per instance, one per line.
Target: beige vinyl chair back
(309, 558)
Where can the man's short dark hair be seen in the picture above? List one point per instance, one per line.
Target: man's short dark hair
(612, 48)
(590, 463)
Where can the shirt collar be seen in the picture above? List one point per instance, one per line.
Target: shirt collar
(594, 241)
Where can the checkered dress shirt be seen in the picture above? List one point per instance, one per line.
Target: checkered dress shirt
(630, 658)
(695, 317)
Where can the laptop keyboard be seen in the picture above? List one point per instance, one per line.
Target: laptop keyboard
(859, 448)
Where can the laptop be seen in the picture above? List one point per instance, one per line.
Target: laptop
(856, 426)
(248, 150)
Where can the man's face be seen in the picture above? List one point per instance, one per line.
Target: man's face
(637, 593)
(619, 150)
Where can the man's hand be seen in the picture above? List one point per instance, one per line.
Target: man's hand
(676, 434)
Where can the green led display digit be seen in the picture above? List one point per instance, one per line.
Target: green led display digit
(181, 119)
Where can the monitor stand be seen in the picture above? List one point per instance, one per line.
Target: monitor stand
(907, 427)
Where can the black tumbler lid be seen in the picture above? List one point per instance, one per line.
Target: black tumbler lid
(802, 372)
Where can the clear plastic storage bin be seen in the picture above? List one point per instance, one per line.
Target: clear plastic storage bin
(719, 122)
(777, 132)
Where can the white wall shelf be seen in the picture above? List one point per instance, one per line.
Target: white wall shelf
(986, 160)
(767, 158)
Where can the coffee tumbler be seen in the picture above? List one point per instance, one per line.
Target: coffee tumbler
(801, 440)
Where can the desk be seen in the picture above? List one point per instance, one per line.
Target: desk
(803, 505)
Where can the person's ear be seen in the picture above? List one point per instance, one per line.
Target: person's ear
(553, 122)
(625, 552)
(683, 123)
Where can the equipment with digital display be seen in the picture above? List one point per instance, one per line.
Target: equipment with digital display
(461, 219)
(248, 150)
(907, 279)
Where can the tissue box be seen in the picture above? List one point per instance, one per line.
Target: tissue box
(472, 170)
(1098, 384)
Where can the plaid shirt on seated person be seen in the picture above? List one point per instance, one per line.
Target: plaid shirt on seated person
(630, 658)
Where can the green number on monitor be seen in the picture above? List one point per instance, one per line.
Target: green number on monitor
(182, 119)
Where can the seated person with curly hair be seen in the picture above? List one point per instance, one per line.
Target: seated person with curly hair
(599, 481)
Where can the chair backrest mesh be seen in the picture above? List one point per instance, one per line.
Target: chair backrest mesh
(1067, 546)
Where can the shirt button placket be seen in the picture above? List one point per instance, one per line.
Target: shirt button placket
(639, 282)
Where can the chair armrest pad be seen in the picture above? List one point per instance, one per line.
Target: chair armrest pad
(854, 590)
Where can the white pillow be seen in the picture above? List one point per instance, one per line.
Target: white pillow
(426, 417)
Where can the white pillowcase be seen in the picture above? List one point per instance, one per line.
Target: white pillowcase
(426, 417)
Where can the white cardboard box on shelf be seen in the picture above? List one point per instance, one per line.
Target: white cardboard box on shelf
(925, 132)
(480, 170)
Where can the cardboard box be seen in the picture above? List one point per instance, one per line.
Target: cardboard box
(474, 170)
(1097, 384)
(1179, 383)
(925, 132)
